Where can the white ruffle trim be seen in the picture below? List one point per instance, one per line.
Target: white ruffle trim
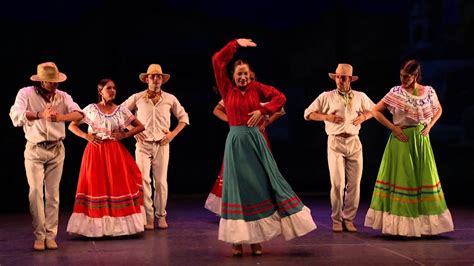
(242, 232)
(213, 203)
(409, 226)
(84, 225)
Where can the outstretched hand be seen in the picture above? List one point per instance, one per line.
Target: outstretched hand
(246, 43)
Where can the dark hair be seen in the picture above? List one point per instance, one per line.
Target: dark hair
(100, 86)
(412, 67)
(239, 62)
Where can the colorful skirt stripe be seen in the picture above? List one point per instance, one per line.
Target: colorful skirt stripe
(408, 199)
(109, 197)
(257, 202)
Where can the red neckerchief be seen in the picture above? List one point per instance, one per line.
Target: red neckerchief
(153, 96)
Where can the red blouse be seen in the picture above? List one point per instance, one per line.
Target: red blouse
(238, 105)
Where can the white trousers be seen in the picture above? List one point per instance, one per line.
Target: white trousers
(345, 169)
(44, 167)
(153, 159)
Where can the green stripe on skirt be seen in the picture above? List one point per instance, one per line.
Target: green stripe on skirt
(408, 183)
(253, 187)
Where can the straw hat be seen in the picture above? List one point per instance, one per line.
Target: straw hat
(48, 72)
(154, 69)
(343, 70)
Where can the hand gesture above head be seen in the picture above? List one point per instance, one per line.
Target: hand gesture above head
(246, 43)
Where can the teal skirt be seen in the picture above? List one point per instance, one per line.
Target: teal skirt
(257, 202)
(408, 199)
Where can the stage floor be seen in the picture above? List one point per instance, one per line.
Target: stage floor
(191, 239)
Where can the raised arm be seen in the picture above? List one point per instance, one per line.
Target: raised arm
(222, 58)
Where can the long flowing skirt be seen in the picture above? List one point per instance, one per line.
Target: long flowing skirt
(258, 204)
(214, 199)
(408, 199)
(109, 197)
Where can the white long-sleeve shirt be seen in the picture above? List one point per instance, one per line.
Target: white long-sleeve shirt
(329, 102)
(39, 130)
(156, 117)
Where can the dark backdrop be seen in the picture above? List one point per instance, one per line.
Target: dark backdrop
(299, 42)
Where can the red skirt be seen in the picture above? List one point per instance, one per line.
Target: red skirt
(109, 197)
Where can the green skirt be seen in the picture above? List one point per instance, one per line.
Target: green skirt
(257, 202)
(408, 199)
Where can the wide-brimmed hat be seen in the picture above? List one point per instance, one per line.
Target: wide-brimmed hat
(343, 70)
(154, 69)
(48, 72)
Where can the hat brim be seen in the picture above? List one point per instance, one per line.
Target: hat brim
(143, 76)
(333, 76)
(62, 77)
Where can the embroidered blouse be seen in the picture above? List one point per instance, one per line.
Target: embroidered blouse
(104, 124)
(238, 105)
(408, 109)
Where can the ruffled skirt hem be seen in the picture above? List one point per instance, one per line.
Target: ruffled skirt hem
(242, 232)
(409, 226)
(82, 224)
(213, 203)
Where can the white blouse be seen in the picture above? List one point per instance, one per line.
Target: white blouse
(104, 124)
